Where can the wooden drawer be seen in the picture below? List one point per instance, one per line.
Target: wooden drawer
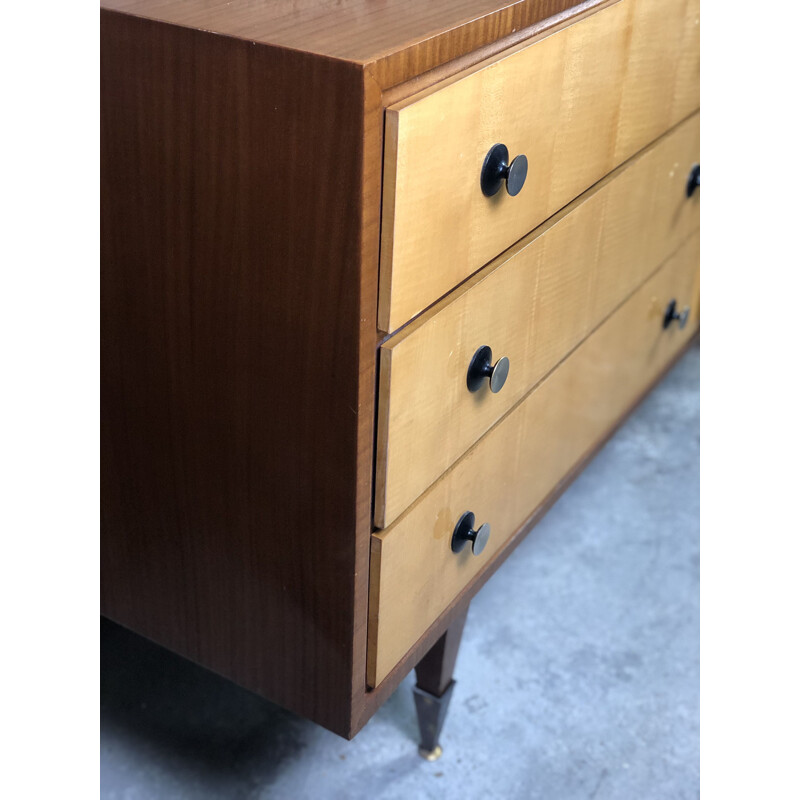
(577, 102)
(533, 306)
(414, 575)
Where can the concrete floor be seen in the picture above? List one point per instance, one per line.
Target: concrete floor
(578, 675)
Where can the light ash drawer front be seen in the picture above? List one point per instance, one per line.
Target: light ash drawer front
(576, 103)
(414, 573)
(531, 307)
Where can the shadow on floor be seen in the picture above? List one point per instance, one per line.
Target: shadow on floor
(167, 702)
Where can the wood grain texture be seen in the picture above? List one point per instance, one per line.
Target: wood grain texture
(377, 696)
(577, 102)
(395, 39)
(209, 276)
(238, 341)
(435, 670)
(533, 305)
(236, 518)
(519, 462)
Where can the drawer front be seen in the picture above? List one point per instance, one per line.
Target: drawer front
(414, 574)
(531, 307)
(576, 103)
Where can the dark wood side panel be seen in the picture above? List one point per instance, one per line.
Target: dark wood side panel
(399, 38)
(233, 316)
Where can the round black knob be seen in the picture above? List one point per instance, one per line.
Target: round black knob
(673, 315)
(496, 169)
(481, 367)
(464, 532)
(693, 181)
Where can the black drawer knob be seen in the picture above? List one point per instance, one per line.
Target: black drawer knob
(693, 181)
(464, 532)
(673, 315)
(496, 169)
(481, 367)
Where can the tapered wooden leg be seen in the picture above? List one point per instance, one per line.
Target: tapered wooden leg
(435, 687)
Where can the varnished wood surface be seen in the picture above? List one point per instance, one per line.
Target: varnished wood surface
(190, 564)
(533, 306)
(577, 102)
(435, 671)
(238, 341)
(395, 39)
(415, 575)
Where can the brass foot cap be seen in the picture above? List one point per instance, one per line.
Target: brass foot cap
(431, 755)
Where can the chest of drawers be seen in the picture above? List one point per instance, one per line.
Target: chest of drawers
(377, 280)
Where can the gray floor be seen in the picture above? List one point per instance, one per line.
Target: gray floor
(578, 675)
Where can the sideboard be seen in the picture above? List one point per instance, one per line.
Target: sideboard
(378, 279)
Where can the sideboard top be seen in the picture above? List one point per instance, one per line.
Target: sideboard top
(398, 39)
